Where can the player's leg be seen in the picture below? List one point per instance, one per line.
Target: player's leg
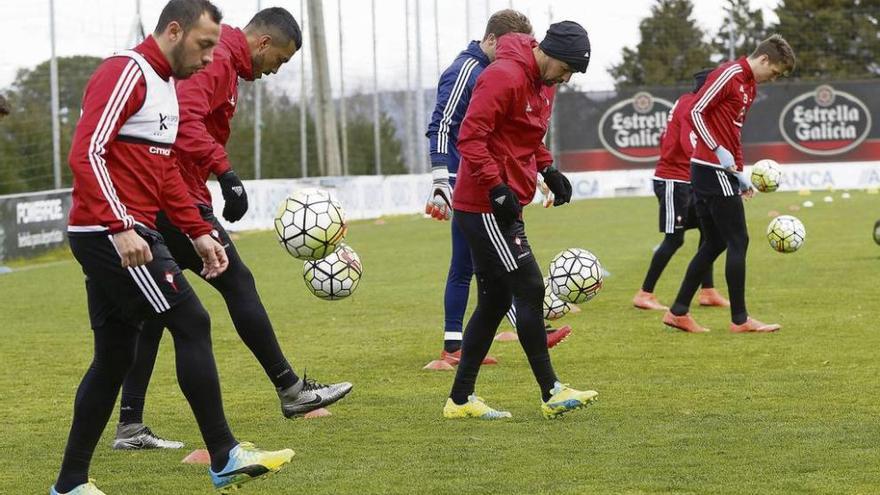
(114, 349)
(251, 321)
(735, 234)
(678, 315)
(670, 222)
(180, 311)
(455, 298)
(709, 296)
(131, 432)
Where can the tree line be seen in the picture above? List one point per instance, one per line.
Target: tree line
(832, 39)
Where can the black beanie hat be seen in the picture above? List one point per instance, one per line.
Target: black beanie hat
(569, 42)
(700, 79)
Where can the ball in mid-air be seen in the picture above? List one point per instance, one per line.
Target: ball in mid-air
(786, 234)
(310, 224)
(766, 175)
(336, 276)
(554, 308)
(575, 275)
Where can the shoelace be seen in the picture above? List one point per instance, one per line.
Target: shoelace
(309, 384)
(149, 432)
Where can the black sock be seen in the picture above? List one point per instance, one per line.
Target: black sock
(451, 345)
(664, 252)
(134, 388)
(282, 375)
(131, 409)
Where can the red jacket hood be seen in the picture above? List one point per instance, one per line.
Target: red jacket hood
(519, 48)
(234, 40)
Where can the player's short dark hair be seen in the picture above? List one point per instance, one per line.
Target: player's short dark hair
(279, 20)
(778, 51)
(187, 13)
(508, 21)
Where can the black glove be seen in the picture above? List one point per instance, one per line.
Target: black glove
(558, 184)
(234, 196)
(505, 204)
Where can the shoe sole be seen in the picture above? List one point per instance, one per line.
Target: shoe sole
(685, 330)
(124, 445)
(483, 418)
(567, 406)
(645, 308)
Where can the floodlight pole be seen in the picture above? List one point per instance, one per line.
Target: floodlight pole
(258, 122)
(343, 117)
(53, 88)
(377, 151)
(303, 104)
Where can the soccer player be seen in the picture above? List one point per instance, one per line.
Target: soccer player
(672, 186)
(123, 174)
(207, 103)
(502, 150)
(453, 97)
(718, 114)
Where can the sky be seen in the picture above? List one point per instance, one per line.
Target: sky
(100, 27)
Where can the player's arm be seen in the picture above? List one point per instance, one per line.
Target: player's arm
(114, 93)
(178, 205)
(453, 97)
(195, 96)
(554, 180)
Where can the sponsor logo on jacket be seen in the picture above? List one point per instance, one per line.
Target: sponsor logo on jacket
(631, 129)
(825, 121)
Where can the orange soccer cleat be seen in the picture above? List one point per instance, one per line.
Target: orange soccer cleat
(711, 297)
(647, 300)
(685, 323)
(754, 326)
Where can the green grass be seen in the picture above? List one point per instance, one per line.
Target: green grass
(794, 412)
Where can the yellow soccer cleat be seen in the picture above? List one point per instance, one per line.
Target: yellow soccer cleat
(565, 399)
(473, 408)
(247, 463)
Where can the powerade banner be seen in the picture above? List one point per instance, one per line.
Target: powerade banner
(789, 122)
(33, 223)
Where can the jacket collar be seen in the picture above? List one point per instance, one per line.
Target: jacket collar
(520, 48)
(475, 51)
(239, 53)
(150, 50)
(747, 69)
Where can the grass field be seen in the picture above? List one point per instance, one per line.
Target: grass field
(794, 412)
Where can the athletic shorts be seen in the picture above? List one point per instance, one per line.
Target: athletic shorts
(713, 181)
(180, 245)
(494, 249)
(677, 210)
(128, 294)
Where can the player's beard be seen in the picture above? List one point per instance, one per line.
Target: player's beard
(178, 61)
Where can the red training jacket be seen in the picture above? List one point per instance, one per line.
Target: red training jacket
(119, 181)
(719, 111)
(501, 137)
(677, 142)
(207, 104)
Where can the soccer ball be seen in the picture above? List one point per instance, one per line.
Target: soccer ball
(766, 175)
(554, 308)
(877, 231)
(310, 224)
(575, 275)
(786, 234)
(335, 276)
